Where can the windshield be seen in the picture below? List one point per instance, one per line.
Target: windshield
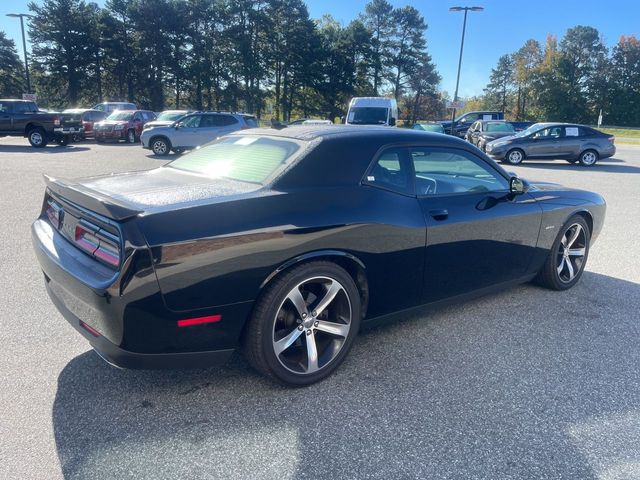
(247, 158)
(120, 116)
(533, 128)
(368, 115)
(499, 127)
(170, 116)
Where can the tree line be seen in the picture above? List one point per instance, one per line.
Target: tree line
(571, 80)
(266, 57)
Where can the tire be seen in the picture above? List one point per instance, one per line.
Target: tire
(37, 137)
(64, 141)
(160, 146)
(278, 336)
(588, 158)
(131, 136)
(514, 156)
(178, 151)
(562, 269)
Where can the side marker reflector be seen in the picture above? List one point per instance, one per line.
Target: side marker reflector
(187, 322)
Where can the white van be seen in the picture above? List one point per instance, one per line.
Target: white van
(372, 111)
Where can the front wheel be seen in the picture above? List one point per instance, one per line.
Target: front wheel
(514, 157)
(588, 158)
(568, 256)
(160, 146)
(304, 324)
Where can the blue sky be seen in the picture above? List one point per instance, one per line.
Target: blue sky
(502, 28)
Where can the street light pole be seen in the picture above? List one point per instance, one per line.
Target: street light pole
(464, 28)
(24, 45)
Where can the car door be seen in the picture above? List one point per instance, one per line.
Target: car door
(395, 260)
(186, 132)
(5, 117)
(569, 145)
(478, 234)
(544, 143)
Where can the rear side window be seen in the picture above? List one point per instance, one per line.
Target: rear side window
(251, 122)
(22, 107)
(252, 159)
(5, 107)
(391, 172)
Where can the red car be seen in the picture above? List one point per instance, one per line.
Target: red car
(89, 118)
(123, 125)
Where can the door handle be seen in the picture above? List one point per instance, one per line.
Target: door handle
(439, 214)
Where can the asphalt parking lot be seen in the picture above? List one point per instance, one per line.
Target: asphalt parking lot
(527, 383)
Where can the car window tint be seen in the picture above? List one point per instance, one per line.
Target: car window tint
(191, 122)
(5, 107)
(244, 158)
(22, 107)
(552, 132)
(390, 172)
(251, 122)
(446, 172)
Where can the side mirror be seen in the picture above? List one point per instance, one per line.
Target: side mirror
(392, 122)
(516, 185)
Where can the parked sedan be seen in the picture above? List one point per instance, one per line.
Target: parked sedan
(484, 131)
(548, 141)
(194, 130)
(89, 118)
(123, 125)
(281, 243)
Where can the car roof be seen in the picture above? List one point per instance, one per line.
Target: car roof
(381, 134)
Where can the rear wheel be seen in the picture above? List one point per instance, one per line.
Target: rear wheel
(304, 324)
(588, 158)
(131, 136)
(160, 146)
(514, 157)
(37, 137)
(178, 151)
(64, 140)
(568, 256)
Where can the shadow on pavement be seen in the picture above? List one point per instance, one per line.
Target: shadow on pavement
(522, 384)
(609, 165)
(50, 149)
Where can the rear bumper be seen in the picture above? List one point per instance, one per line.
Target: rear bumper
(122, 358)
(128, 323)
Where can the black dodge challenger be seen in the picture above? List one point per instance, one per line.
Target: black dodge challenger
(280, 243)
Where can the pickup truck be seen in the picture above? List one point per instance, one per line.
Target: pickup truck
(22, 118)
(461, 124)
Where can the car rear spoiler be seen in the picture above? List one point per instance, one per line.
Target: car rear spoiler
(90, 199)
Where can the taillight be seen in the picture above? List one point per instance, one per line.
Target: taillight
(56, 120)
(98, 243)
(612, 139)
(245, 127)
(53, 213)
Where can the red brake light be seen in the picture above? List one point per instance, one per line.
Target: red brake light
(53, 214)
(187, 322)
(98, 243)
(612, 139)
(56, 120)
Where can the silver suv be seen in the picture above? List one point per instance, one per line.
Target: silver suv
(194, 130)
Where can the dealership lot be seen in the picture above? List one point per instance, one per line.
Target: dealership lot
(527, 383)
